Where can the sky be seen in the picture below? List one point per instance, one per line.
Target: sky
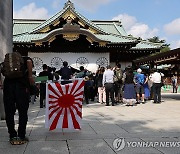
(140, 18)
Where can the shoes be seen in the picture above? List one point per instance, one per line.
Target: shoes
(102, 102)
(107, 104)
(23, 140)
(18, 140)
(13, 141)
(113, 105)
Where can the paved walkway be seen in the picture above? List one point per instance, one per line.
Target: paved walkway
(146, 124)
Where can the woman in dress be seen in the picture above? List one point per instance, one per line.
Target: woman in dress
(129, 96)
(146, 88)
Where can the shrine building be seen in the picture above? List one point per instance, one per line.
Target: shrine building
(69, 36)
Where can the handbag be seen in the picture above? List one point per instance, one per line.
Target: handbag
(115, 79)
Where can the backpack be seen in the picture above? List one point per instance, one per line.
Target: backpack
(118, 75)
(13, 65)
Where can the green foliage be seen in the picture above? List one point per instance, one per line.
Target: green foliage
(165, 47)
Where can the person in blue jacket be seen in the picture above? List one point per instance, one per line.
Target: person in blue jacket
(140, 80)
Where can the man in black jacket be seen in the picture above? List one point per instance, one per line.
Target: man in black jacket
(45, 72)
(65, 73)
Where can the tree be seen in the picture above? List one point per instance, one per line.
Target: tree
(155, 39)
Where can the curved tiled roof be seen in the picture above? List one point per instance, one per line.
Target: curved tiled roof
(22, 36)
(111, 27)
(28, 38)
(146, 45)
(26, 30)
(117, 38)
(59, 31)
(23, 26)
(61, 13)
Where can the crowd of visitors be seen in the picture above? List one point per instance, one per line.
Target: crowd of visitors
(111, 85)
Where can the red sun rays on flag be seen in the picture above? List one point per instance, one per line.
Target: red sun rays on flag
(65, 101)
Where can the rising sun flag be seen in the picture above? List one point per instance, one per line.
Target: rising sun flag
(64, 105)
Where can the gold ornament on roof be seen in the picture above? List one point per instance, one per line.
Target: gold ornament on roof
(69, 3)
(69, 20)
(70, 36)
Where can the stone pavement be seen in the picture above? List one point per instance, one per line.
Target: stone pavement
(146, 123)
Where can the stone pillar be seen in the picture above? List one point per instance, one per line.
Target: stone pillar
(2, 114)
(6, 36)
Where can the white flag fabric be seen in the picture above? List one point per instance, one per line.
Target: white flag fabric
(64, 105)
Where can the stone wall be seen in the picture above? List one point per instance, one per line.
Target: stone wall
(90, 61)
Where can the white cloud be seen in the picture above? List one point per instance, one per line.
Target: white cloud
(136, 28)
(56, 4)
(173, 27)
(127, 21)
(175, 44)
(31, 11)
(142, 30)
(90, 5)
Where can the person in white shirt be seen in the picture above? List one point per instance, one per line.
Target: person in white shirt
(156, 79)
(108, 83)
